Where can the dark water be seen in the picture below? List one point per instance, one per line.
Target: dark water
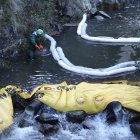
(80, 52)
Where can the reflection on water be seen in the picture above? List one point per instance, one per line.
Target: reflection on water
(44, 69)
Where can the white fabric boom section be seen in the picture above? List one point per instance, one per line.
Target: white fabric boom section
(81, 30)
(59, 56)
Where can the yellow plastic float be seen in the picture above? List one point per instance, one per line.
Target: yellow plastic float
(92, 98)
(6, 110)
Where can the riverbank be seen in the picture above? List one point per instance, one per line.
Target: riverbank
(19, 19)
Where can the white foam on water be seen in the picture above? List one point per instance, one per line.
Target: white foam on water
(27, 133)
(98, 130)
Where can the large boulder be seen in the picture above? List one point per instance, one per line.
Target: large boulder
(110, 4)
(73, 8)
(48, 123)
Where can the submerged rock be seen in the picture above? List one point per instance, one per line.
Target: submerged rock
(48, 128)
(134, 117)
(76, 116)
(26, 119)
(74, 127)
(48, 123)
(47, 118)
(135, 128)
(134, 121)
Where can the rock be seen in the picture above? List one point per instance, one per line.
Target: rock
(73, 8)
(134, 121)
(135, 128)
(46, 128)
(134, 117)
(48, 122)
(76, 116)
(93, 11)
(50, 128)
(47, 118)
(114, 112)
(111, 4)
(26, 119)
(19, 102)
(99, 15)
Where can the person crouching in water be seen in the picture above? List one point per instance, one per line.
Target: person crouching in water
(35, 43)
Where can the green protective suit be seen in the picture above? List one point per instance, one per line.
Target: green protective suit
(34, 40)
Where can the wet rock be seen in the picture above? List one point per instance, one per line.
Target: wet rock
(18, 102)
(48, 123)
(134, 117)
(135, 128)
(134, 120)
(47, 118)
(47, 109)
(114, 112)
(26, 119)
(48, 128)
(97, 14)
(76, 116)
(94, 12)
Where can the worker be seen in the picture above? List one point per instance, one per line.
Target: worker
(35, 42)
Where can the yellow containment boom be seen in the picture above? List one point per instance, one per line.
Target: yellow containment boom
(6, 110)
(91, 98)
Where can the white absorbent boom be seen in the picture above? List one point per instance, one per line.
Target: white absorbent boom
(81, 31)
(59, 56)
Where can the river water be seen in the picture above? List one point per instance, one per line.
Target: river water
(29, 74)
